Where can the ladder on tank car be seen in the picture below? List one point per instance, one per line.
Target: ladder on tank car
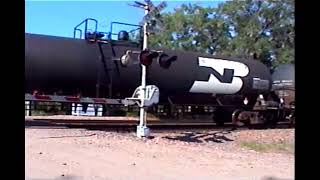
(102, 38)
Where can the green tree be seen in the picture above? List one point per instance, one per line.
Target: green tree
(261, 30)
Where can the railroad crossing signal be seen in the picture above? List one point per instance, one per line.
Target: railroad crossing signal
(152, 18)
(154, 13)
(151, 23)
(145, 58)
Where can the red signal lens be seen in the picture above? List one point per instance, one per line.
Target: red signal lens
(146, 57)
(165, 61)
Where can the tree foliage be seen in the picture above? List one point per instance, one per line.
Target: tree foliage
(257, 29)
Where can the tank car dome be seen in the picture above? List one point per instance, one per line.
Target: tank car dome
(123, 35)
(284, 77)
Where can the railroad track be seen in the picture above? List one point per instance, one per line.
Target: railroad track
(125, 123)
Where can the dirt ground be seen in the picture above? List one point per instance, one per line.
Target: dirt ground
(79, 154)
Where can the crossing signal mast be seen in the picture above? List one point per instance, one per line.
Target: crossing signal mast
(145, 95)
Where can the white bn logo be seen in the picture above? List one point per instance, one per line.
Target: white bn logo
(226, 79)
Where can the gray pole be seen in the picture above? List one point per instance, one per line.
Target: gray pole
(142, 129)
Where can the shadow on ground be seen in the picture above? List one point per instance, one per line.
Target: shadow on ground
(273, 178)
(202, 137)
(88, 135)
(62, 177)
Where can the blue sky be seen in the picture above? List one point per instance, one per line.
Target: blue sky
(58, 18)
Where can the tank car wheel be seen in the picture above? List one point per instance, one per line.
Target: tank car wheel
(235, 116)
(271, 120)
(292, 120)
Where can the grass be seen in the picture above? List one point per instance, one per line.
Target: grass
(267, 147)
(137, 114)
(133, 114)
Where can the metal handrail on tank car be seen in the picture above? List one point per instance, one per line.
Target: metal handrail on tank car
(127, 24)
(86, 27)
(74, 33)
(107, 34)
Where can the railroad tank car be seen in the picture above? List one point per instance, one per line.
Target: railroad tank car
(66, 64)
(283, 82)
(69, 66)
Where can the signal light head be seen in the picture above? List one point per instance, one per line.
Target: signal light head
(165, 61)
(146, 57)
